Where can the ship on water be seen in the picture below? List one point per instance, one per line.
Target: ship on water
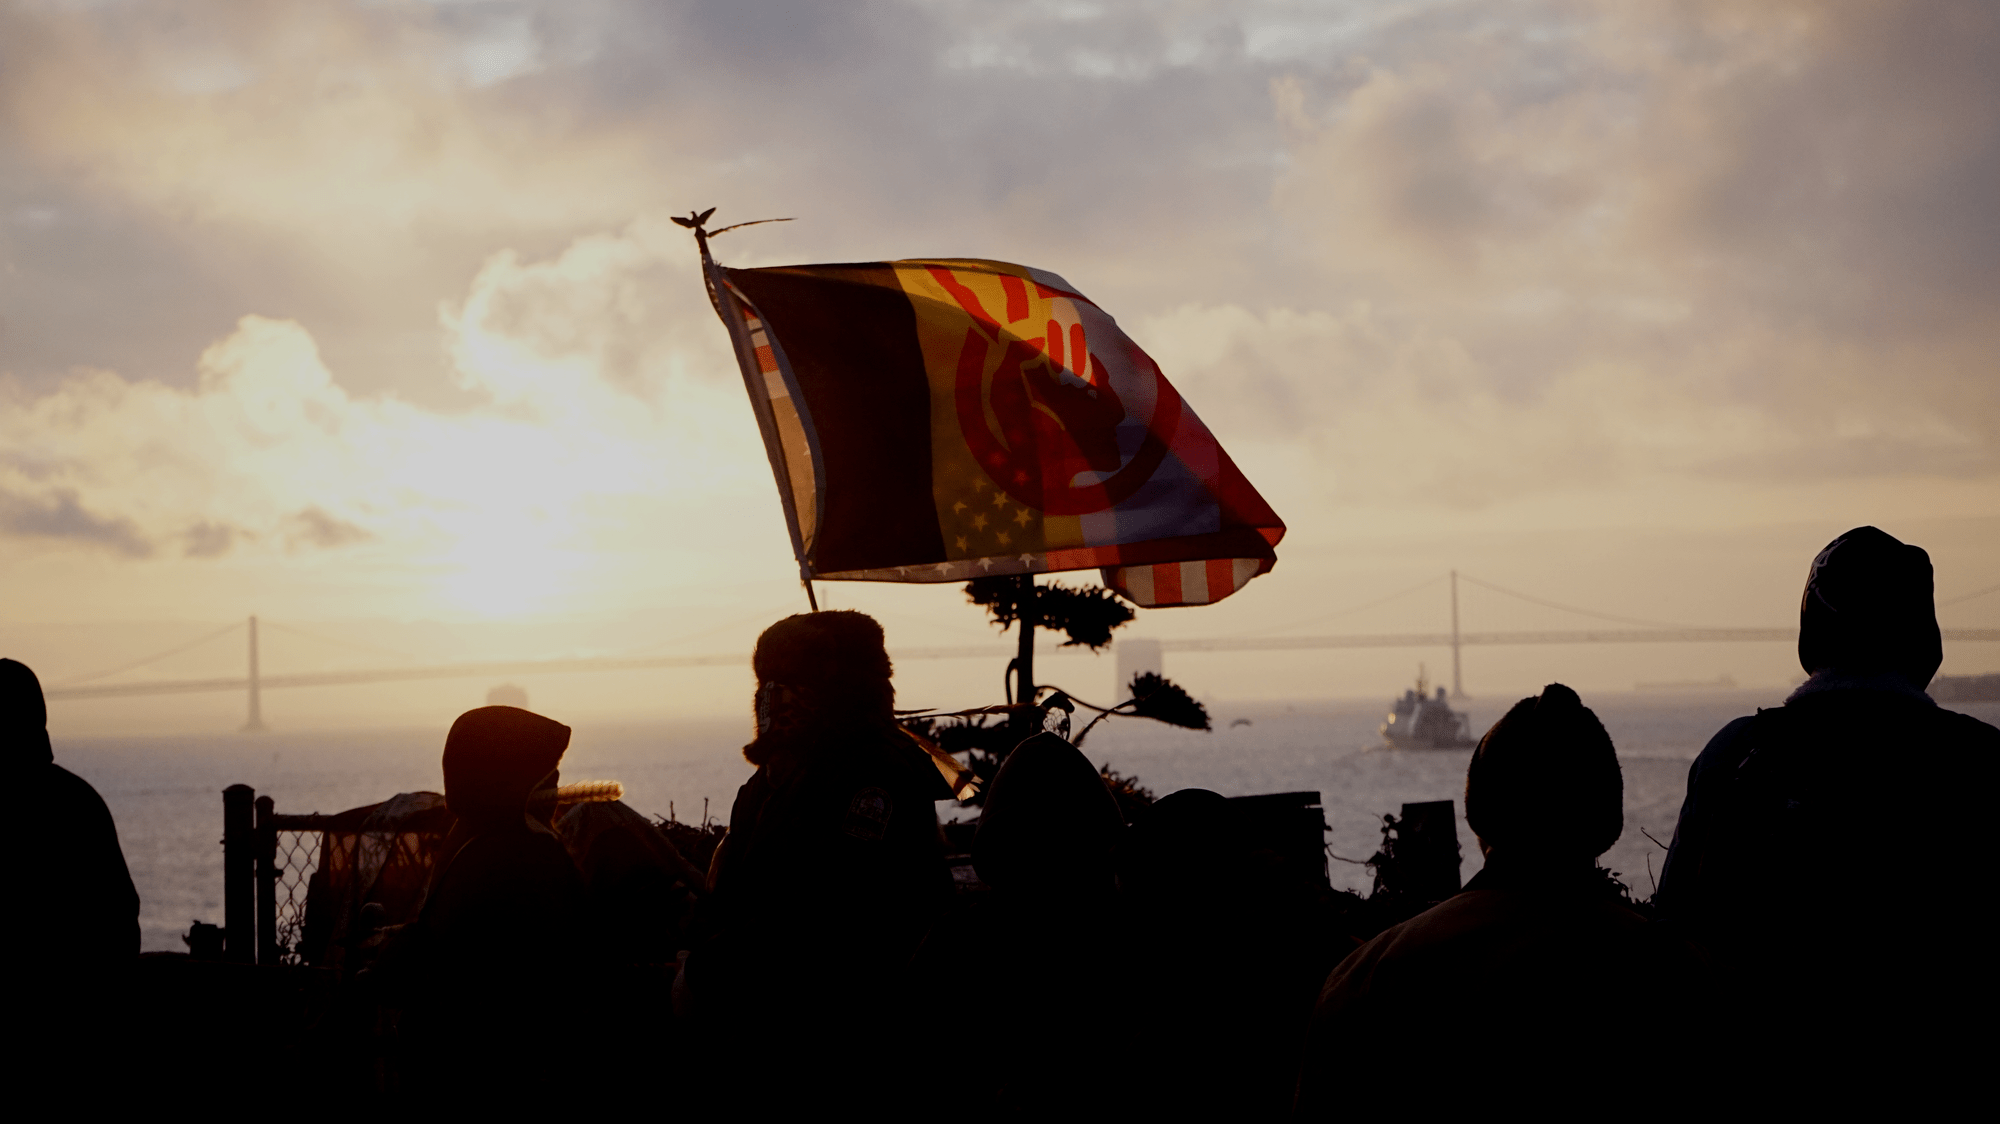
(1422, 720)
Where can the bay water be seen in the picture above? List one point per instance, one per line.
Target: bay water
(166, 792)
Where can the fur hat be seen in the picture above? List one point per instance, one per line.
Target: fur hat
(1545, 780)
(816, 673)
(1868, 607)
(494, 757)
(823, 653)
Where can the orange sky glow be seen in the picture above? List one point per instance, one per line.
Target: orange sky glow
(369, 318)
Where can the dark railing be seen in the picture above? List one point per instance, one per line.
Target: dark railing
(239, 873)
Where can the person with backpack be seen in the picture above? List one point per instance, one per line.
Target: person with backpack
(1831, 854)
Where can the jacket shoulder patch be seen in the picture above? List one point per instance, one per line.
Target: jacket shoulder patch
(868, 814)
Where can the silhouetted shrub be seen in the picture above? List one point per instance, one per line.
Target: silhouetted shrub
(1132, 796)
(1087, 614)
(1162, 700)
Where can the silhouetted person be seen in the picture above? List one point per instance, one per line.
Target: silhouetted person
(75, 922)
(1051, 1027)
(1535, 986)
(638, 887)
(829, 878)
(484, 969)
(79, 907)
(1833, 854)
(1228, 954)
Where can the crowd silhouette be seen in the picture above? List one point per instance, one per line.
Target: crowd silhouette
(825, 957)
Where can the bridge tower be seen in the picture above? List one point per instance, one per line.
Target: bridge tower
(256, 722)
(1457, 685)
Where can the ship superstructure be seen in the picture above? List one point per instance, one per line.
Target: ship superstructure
(1421, 720)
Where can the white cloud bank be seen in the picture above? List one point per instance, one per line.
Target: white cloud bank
(595, 433)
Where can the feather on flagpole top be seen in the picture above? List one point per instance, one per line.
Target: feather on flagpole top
(697, 220)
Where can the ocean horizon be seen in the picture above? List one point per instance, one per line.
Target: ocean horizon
(165, 792)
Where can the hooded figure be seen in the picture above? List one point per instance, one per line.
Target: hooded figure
(81, 911)
(498, 929)
(1779, 867)
(833, 868)
(1535, 972)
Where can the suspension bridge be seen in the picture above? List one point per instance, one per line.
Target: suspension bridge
(1135, 651)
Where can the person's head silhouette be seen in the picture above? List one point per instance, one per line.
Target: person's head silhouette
(1544, 784)
(494, 757)
(24, 718)
(1867, 609)
(1050, 827)
(818, 673)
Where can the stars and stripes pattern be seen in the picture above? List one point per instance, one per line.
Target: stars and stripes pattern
(943, 420)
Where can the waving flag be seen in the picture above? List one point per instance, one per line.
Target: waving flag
(943, 420)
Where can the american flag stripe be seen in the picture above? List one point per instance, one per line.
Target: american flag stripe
(893, 450)
(1202, 582)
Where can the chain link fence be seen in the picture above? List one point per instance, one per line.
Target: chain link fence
(323, 885)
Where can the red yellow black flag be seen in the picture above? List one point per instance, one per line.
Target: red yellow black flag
(941, 420)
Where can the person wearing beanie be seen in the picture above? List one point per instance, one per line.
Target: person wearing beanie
(832, 872)
(498, 933)
(1786, 866)
(1523, 989)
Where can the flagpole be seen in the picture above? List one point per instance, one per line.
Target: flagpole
(733, 323)
(1024, 660)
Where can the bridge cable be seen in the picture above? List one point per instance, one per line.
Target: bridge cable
(773, 615)
(1351, 610)
(642, 650)
(1969, 596)
(1573, 609)
(356, 645)
(74, 680)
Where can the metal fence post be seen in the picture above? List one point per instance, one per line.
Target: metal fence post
(267, 883)
(239, 873)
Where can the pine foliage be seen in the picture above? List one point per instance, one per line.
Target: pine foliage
(1163, 700)
(1087, 614)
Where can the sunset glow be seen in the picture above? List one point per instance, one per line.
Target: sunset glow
(374, 311)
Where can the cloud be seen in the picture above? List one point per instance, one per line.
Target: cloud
(1435, 258)
(1771, 217)
(209, 540)
(314, 527)
(61, 517)
(1395, 415)
(594, 441)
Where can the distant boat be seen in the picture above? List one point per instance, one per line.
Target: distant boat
(1721, 682)
(1421, 720)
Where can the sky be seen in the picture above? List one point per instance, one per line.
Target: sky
(369, 317)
